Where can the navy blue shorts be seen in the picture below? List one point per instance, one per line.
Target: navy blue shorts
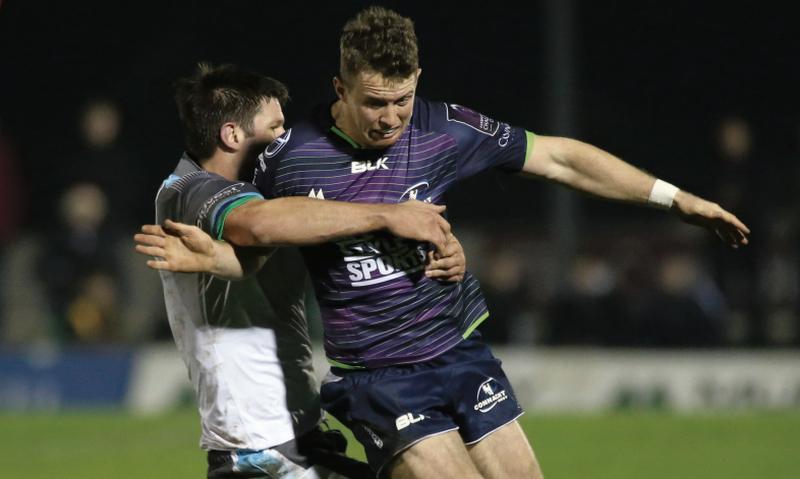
(389, 409)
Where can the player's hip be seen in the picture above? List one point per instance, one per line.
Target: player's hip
(391, 408)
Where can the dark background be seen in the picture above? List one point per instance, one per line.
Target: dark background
(651, 82)
(652, 78)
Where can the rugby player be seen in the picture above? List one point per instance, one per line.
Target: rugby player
(246, 343)
(410, 375)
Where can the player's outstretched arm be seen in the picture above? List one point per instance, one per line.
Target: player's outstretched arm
(587, 168)
(449, 266)
(697, 211)
(307, 221)
(185, 248)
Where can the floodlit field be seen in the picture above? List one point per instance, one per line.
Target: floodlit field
(108, 445)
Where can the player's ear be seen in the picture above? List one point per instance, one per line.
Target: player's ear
(230, 136)
(339, 87)
(416, 77)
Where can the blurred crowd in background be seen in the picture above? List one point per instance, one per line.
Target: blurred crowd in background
(701, 94)
(646, 282)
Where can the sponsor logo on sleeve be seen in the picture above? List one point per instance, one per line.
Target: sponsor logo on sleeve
(502, 142)
(472, 119)
(215, 200)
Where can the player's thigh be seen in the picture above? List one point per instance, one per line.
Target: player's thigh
(505, 453)
(443, 456)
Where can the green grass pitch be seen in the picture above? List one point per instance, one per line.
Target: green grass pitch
(116, 445)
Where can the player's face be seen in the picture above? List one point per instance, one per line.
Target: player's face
(377, 110)
(267, 123)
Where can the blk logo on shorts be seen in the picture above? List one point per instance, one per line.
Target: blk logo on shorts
(407, 419)
(490, 394)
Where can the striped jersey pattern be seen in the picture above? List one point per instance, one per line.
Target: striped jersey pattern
(377, 306)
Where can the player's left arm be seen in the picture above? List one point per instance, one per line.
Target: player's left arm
(587, 168)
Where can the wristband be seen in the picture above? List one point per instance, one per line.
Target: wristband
(662, 194)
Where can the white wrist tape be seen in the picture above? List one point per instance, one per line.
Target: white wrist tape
(663, 194)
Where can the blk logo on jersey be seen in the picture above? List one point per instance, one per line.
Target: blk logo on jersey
(369, 165)
(490, 394)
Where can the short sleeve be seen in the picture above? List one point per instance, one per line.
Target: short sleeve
(209, 201)
(482, 142)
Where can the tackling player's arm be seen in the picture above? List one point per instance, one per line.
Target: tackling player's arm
(187, 248)
(587, 168)
(299, 221)
(184, 248)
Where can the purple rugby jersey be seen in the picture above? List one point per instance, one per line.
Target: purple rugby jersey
(377, 306)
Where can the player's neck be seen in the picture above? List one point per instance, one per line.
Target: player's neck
(224, 164)
(340, 119)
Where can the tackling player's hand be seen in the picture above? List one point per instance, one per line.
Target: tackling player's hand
(698, 211)
(449, 266)
(177, 247)
(419, 221)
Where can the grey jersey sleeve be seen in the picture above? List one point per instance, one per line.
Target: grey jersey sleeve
(203, 199)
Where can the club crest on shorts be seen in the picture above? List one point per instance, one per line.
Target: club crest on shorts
(490, 394)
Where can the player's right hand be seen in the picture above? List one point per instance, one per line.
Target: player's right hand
(176, 247)
(697, 211)
(419, 221)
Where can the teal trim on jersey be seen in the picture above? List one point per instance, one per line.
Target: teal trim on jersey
(220, 226)
(343, 365)
(170, 180)
(344, 136)
(474, 325)
(530, 139)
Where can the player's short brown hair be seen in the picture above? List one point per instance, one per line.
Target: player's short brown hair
(378, 40)
(215, 95)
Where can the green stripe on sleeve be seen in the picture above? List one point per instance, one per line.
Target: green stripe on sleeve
(221, 224)
(530, 138)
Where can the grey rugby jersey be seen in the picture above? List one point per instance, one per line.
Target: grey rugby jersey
(377, 306)
(245, 343)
